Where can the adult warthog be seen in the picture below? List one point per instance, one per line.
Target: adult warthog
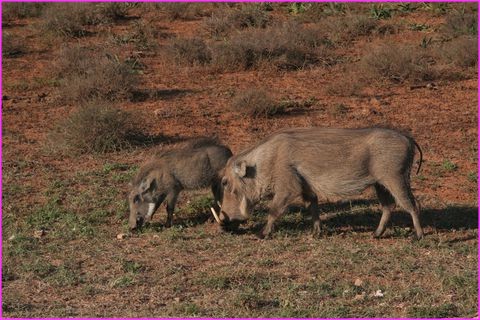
(309, 162)
(197, 165)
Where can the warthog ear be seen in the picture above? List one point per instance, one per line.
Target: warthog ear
(147, 184)
(240, 168)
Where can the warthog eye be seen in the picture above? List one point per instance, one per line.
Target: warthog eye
(136, 199)
(224, 181)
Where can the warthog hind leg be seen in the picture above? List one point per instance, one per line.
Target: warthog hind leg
(387, 203)
(400, 189)
(171, 201)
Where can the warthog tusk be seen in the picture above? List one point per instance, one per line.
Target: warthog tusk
(215, 215)
(151, 209)
(219, 204)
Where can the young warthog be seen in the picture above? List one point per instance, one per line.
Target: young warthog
(197, 165)
(309, 162)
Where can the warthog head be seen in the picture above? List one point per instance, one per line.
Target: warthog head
(144, 199)
(236, 205)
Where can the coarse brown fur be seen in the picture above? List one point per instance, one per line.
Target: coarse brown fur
(313, 162)
(196, 165)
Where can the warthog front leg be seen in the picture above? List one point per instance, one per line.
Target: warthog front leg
(277, 209)
(314, 212)
(171, 201)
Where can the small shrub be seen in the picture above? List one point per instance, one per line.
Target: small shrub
(438, 8)
(460, 23)
(12, 46)
(287, 46)
(351, 85)
(338, 109)
(20, 10)
(94, 128)
(398, 63)
(114, 10)
(350, 27)
(461, 52)
(472, 176)
(144, 36)
(255, 103)
(381, 11)
(94, 74)
(192, 51)
(449, 166)
(236, 19)
(181, 10)
(69, 19)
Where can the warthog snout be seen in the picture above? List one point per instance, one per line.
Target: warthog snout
(136, 223)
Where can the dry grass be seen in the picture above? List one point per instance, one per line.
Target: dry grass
(461, 52)
(255, 103)
(96, 127)
(113, 10)
(12, 46)
(286, 46)
(93, 73)
(20, 10)
(78, 267)
(398, 63)
(223, 22)
(193, 51)
(181, 10)
(349, 28)
(69, 19)
(460, 23)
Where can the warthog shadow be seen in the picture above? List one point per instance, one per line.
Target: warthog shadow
(364, 216)
(142, 95)
(140, 139)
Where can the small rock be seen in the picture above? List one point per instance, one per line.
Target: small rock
(176, 299)
(359, 296)
(378, 294)
(121, 236)
(358, 282)
(375, 102)
(11, 237)
(38, 233)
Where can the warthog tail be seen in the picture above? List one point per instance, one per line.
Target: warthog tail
(421, 156)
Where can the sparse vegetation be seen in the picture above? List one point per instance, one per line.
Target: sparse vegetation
(255, 103)
(181, 11)
(96, 127)
(461, 52)
(381, 11)
(20, 10)
(12, 46)
(69, 19)
(449, 166)
(461, 23)
(350, 27)
(114, 10)
(248, 15)
(101, 72)
(287, 46)
(398, 63)
(192, 51)
(92, 73)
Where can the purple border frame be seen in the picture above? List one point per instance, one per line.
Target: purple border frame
(343, 1)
